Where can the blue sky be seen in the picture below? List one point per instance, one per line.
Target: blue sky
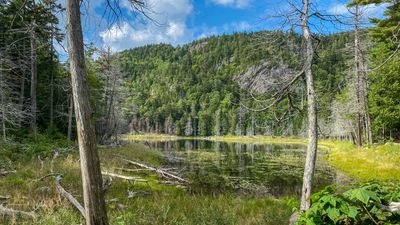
(182, 21)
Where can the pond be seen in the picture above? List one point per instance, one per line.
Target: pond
(256, 169)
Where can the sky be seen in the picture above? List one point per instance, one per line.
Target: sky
(179, 22)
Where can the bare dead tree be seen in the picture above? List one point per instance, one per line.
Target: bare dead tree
(111, 74)
(363, 121)
(94, 203)
(93, 194)
(302, 16)
(33, 61)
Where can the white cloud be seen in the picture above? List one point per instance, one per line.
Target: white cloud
(234, 3)
(338, 9)
(372, 10)
(170, 14)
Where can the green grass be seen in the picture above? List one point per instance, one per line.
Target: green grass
(380, 163)
(166, 204)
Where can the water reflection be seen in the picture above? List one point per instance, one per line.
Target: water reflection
(268, 169)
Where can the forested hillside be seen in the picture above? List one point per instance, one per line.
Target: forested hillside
(216, 86)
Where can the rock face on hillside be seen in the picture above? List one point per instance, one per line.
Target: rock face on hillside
(265, 78)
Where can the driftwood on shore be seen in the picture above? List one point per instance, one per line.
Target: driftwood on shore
(12, 212)
(161, 172)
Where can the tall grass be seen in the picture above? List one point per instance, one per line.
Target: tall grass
(165, 204)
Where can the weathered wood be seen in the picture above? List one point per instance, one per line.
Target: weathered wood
(5, 173)
(33, 121)
(12, 212)
(124, 177)
(392, 207)
(168, 182)
(312, 111)
(4, 197)
(69, 197)
(93, 194)
(293, 218)
(133, 170)
(162, 173)
(132, 194)
(49, 175)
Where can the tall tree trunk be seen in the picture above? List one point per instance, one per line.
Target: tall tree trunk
(362, 79)
(218, 123)
(51, 87)
(33, 81)
(22, 88)
(368, 130)
(358, 89)
(90, 165)
(312, 113)
(22, 93)
(3, 110)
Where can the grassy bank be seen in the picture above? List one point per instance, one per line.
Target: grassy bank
(377, 162)
(164, 205)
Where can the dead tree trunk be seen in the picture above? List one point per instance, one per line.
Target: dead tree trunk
(363, 121)
(312, 112)
(95, 209)
(3, 110)
(51, 86)
(358, 77)
(33, 81)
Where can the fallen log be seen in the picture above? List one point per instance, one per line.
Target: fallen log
(4, 173)
(163, 173)
(124, 177)
(68, 196)
(4, 197)
(392, 207)
(132, 194)
(12, 212)
(133, 170)
(167, 182)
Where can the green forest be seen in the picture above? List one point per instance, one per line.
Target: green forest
(200, 132)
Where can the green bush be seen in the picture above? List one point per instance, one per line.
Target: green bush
(360, 205)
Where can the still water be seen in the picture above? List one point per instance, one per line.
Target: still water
(254, 169)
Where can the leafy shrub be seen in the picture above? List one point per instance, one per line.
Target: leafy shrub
(360, 205)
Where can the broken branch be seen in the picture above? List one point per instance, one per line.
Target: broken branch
(4, 173)
(124, 177)
(12, 212)
(162, 173)
(68, 196)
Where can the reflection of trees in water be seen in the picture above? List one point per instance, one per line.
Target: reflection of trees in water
(248, 168)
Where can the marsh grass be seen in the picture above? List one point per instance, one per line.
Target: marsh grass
(380, 163)
(165, 204)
